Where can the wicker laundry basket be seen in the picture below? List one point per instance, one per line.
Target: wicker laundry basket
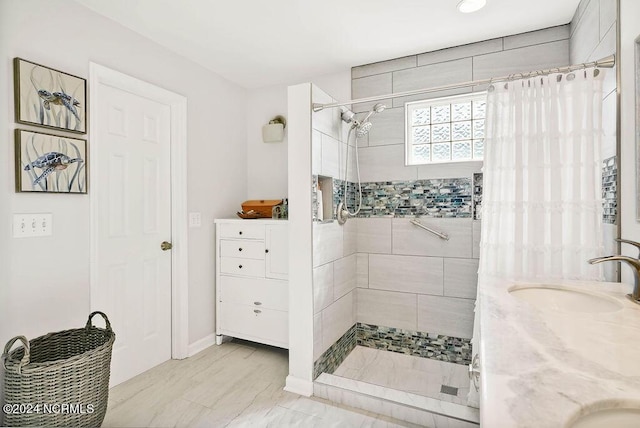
(59, 379)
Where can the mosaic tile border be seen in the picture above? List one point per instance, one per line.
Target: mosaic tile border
(416, 343)
(477, 196)
(335, 355)
(610, 190)
(444, 197)
(420, 344)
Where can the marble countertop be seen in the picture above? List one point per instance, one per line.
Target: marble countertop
(544, 368)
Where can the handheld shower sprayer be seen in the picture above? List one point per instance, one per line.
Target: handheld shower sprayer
(378, 108)
(362, 128)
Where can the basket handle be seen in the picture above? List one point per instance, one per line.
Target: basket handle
(106, 320)
(25, 358)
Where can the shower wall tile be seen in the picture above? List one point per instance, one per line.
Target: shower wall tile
(411, 240)
(537, 57)
(609, 125)
(476, 226)
(606, 47)
(335, 353)
(611, 271)
(327, 242)
(400, 101)
(460, 278)
(585, 32)
(582, 7)
(445, 315)
(458, 52)
(416, 343)
(374, 235)
(433, 75)
(608, 15)
(609, 190)
(330, 165)
(385, 163)
(362, 270)
(449, 170)
(317, 336)
(337, 319)
(322, 287)
(610, 233)
(370, 86)
(428, 198)
(387, 308)
(326, 121)
(388, 127)
(552, 34)
(316, 152)
(344, 276)
(408, 274)
(384, 67)
(350, 232)
(477, 196)
(353, 176)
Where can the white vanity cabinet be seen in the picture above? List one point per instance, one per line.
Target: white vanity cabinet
(252, 297)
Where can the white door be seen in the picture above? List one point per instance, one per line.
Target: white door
(132, 154)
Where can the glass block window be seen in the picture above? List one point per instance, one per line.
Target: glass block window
(449, 129)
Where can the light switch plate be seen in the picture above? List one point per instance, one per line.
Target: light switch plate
(195, 220)
(31, 225)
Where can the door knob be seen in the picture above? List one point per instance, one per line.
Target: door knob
(166, 246)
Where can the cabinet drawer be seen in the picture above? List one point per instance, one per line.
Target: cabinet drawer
(245, 267)
(260, 293)
(260, 325)
(242, 248)
(241, 230)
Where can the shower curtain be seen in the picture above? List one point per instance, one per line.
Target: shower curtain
(542, 197)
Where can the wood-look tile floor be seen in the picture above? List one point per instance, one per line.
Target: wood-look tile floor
(235, 384)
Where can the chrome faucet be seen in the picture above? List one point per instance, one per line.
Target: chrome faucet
(635, 268)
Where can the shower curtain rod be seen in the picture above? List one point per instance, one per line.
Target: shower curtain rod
(607, 62)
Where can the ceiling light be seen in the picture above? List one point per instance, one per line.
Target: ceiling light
(468, 6)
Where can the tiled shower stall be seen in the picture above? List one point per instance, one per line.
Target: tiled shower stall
(378, 280)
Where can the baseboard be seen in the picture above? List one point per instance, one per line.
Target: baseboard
(299, 386)
(201, 345)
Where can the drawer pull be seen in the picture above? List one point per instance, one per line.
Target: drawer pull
(257, 311)
(240, 233)
(239, 249)
(257, 303)
(240, 266)
(266, 251)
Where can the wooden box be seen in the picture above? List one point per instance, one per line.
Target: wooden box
(262, 207)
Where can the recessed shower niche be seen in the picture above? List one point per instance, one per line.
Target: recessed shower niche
(323, 199)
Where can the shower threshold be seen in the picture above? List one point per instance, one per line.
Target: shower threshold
(412, 389)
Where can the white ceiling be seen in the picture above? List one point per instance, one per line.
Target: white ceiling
(257, 43)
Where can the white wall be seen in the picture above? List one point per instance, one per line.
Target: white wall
(630, 30)
(44, 283)
(267, 162)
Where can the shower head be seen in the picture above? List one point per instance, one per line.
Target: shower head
(363, 129)
(377, 108)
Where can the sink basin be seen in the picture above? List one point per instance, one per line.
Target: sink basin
(618, 418)
(565, 299)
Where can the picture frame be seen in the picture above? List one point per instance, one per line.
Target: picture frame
(49, 98)
(47, 163)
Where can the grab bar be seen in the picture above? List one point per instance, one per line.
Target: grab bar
(441, 235)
